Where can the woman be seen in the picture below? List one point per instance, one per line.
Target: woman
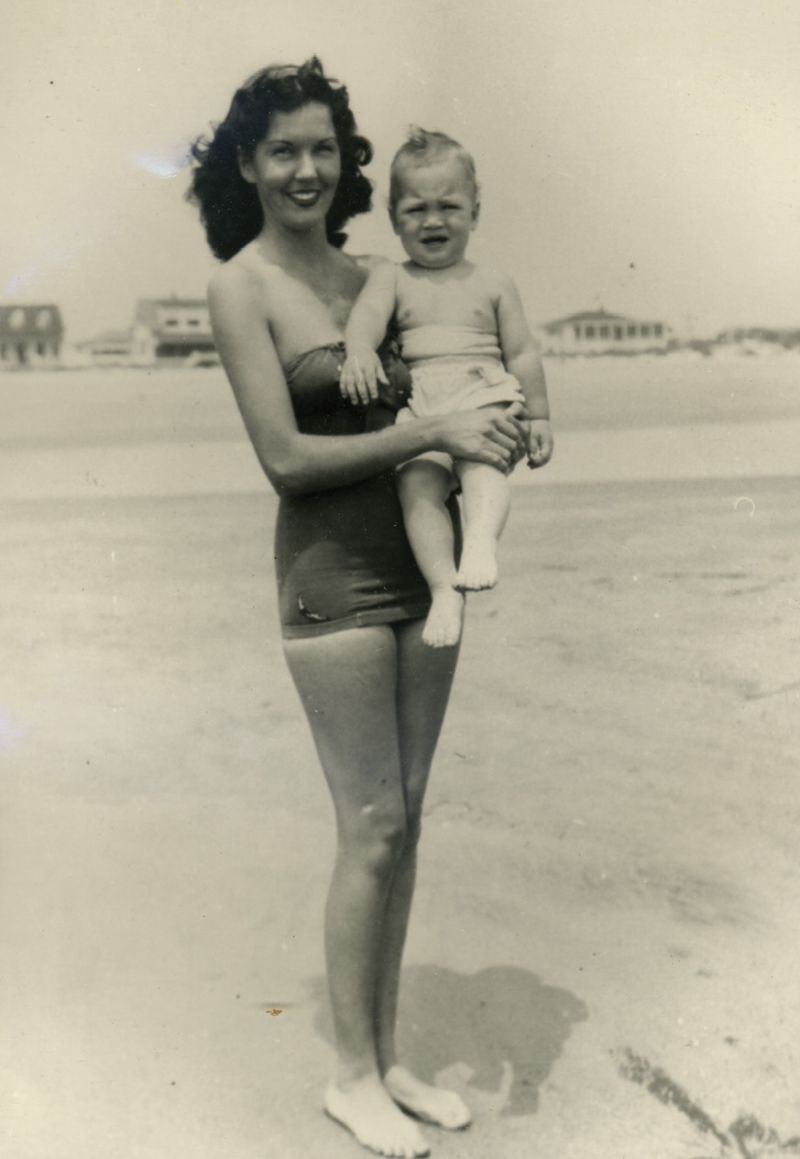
(275, 183)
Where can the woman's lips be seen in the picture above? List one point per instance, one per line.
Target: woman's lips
(304, 197)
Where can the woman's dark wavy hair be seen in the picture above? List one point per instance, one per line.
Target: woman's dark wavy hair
(229, 206)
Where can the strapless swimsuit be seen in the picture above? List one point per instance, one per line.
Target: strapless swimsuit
(341, 556)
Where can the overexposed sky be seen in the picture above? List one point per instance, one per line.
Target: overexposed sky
(640, 154)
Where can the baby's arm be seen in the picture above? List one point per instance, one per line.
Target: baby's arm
(522, 359)
(366, 327)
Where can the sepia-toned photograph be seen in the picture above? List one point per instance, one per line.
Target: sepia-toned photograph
(400, 477)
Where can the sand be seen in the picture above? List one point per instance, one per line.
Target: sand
(603, 951)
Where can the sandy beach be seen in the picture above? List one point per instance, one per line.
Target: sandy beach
(603, 952)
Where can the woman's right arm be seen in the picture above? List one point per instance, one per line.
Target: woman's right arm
(296, 463)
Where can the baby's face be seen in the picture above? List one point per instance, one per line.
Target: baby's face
(435, 212)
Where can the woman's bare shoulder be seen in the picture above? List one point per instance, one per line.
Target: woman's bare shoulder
(243, 280)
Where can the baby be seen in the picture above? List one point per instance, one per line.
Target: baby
(465, 339)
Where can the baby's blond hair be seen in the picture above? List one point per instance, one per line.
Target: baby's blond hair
(425, 147)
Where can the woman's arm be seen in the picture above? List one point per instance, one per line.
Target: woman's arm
(296, 463)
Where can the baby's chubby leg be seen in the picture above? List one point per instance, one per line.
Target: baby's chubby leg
(486, 502)
(424, 487)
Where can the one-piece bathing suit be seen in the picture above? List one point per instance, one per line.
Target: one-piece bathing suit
(341, 556)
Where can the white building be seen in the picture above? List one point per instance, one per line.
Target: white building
(30, 336)
(598, 332)
(172, 330)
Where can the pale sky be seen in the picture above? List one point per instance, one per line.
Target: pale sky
(637, 154)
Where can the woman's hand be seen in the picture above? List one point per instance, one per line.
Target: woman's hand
(485, 436)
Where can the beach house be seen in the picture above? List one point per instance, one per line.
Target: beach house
(30, 336)
(172, 330)
(599, 332)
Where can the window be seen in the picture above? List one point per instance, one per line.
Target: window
(577, 330)
(604, 331)
(171, 322)
(618, 333)
(645, 331)
(631, 331)
(658, 329)
(194, 321)
(590, 331)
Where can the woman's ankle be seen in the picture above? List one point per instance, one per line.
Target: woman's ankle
(352, 1072)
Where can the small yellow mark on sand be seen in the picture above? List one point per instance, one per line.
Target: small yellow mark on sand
(274, 1011)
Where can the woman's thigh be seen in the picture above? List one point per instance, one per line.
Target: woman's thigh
(347, 682)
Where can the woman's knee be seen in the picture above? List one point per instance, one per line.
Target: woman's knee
(375, 838)
(413, 828)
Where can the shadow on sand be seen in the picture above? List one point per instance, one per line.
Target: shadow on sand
(500, 1030)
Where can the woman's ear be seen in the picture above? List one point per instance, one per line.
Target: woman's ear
(246, 167)
(476, 212)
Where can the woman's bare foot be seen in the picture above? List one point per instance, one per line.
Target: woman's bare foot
(432, 1104)
(368, 1112)
(443, 625)
(478, 568)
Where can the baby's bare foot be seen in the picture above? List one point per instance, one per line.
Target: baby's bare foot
(443, 625)
(478, 568)
(444, 1108)
(366, 1109)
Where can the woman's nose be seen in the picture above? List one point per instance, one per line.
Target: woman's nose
(306, 166)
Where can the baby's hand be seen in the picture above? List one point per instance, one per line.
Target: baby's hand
(540, 443)
(360, 375)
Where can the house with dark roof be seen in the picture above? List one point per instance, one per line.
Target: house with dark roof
(172, 330)
(30, 336)
(599, 332)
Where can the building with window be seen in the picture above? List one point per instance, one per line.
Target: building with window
(172, 330)
(30, 336)
(598, 332)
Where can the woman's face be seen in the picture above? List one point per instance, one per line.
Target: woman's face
(296, 167)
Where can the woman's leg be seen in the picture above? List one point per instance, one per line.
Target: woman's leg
(423, 689)
(486, 501)
(424, 488)
(348, 684)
